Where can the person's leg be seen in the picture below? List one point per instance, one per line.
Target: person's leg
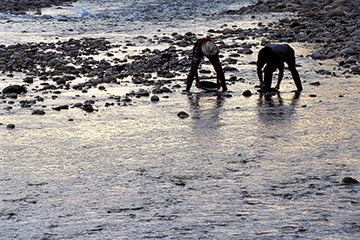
(296, 77)
(294, 73)
(215, 61)
(190, 79)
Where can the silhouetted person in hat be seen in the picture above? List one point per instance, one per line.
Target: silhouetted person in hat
(274, 57)
(205, 47)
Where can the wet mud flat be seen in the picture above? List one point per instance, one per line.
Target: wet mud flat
(93, 154)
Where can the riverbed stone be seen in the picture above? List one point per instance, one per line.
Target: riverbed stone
(10, 126)
(14, 89)
(61, 107)
(87, 107)
(336, 13)
(347, 51)
(38, 112)
(183, 114)
(154, 98)
(349, 181)
(247, 93)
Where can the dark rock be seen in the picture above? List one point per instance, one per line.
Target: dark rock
(61, 107)
(228, 95)
(60, 81)
(245, 51)
(229, 69)
(317, 83)
(183, 114)
(247, 93)
(336, 12)
(206, 71)
(38, 112)
(349, 181)
(142, 92)
(78, 105)
(49, 87)
(28, 80)
(155, 98)
(14, 89)
(107, 104)
(295, 24)
(166, 90)
(40, 99)
(88, 107)
(126, 99)
(10, 126)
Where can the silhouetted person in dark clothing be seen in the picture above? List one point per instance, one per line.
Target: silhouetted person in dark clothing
(274, 57)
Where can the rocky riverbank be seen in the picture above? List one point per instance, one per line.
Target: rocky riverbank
(332, 25)
(70, 66)
(21, 6)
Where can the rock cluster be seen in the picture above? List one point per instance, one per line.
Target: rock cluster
(332, 25)
(71, 65)
(20, 6)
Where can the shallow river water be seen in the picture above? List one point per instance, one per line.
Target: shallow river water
(259, 167)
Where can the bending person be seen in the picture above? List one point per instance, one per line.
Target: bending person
(205, 47)
(274, 57)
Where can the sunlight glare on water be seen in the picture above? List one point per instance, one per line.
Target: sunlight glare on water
(259, 167)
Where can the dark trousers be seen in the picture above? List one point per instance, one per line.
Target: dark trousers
(219, 72)
(270, 68)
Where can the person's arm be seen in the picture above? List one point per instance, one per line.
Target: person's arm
(197, 57)
(280, 77)
(260, 76)
(196, 74)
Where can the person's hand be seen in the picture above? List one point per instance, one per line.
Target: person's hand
(197, 84)
(262, 84)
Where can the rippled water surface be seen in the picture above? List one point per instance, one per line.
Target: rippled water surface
(259, 167)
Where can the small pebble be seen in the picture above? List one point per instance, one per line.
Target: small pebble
(10, 126)
(183, 114)
(247, 93)
(155, 98)
(349, 181)
(38, 112)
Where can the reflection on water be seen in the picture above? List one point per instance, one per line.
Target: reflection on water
(206, 111)
(271, 107)
(262, 167)
(205, 101)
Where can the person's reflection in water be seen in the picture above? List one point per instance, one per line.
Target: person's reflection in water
(271, 107)
(194, 99)
(206, 108)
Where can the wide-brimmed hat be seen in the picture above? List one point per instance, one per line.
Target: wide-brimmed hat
(209, 48)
